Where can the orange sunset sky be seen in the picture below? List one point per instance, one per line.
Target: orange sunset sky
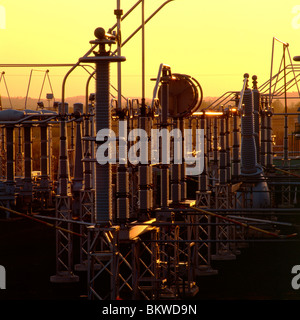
(214, 41)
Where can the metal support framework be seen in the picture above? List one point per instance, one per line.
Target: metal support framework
(132, 244)
(287, 197)
(203, 200)
(87, 209)
(103, 262)
(177, 259)
(138, 271)
(64, 243)
(87, 195)
(223, 196)
(224, 232)
(203, 248)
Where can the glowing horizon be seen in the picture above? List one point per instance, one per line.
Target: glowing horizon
(215, 42)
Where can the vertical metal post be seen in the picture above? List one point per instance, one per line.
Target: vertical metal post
(256, 113)
(63, 157)
(44, 185)
(183, 165)
(203, 179)
(176, 169)
(263, 134)
(122, 194)
(44, 155)
(64, 241)
(269, 157)
(27, 155)
(228, 154)
(50, 154)
(78, 168)
(208, 147)
(26, 191)
(3, 152)
(87, 194)
(164, 125)
(222, 165)
(19, 155)
(215, 165)
(122, 201)
(236, 144)
(143, 52)
(92, 128)
(119, 13)
(77, 181)
(144, 172)
(10, 162)
(285, 139)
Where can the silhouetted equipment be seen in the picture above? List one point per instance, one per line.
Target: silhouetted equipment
(185, 95)
(149, 229)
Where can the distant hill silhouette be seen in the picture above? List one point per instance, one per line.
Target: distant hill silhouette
(18, 103)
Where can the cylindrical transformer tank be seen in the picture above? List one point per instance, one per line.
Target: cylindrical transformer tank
(78, 108)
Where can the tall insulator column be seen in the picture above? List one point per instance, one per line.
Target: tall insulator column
(256, 112)
(63, 169)
(223, 176)
(258, 195)
(236, 143)
(44, 156)
(10, 156)
(164, 124)
(78, 165)
(2, 154)
(122, 194)
(269, 142)
(26, 190)
(103, 121)
(103, 184)
(248, 147)
(263, 134)
(203, 178)
(176, 168)
(183, 183)
(228, 151)
(27, 153)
